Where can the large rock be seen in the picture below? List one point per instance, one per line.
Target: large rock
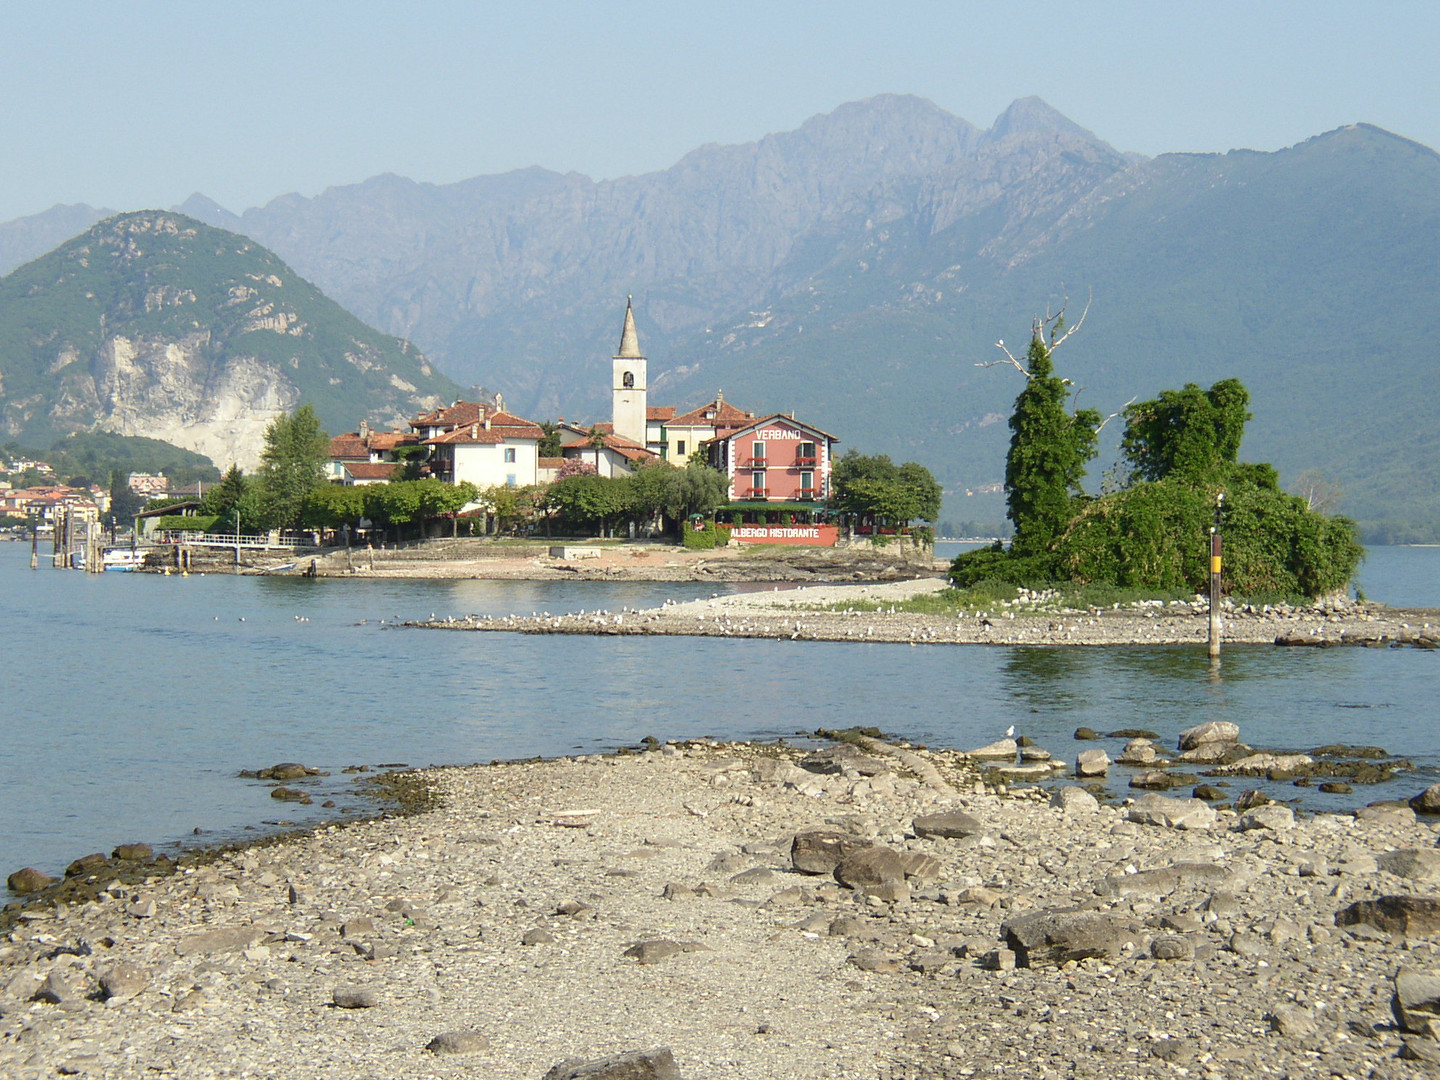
(1212, 731)
(1155, 809)
(87, 864)
(997, 751)
(458, 1042)
(949, 825)
(1138, 752)
(133, 853)
(656, 1064)
(1074, 800)
(29, 880)
(1416, 1003)
(1164, 880)
(1264, 765)
(821, 850)
(222, 940)
(1274, 817)
(844, 757)
(1407, 915)
(1416, 864)
(1428, 801)
(1055, 937)
(122, 982)
(876, 871)
(1092, 763)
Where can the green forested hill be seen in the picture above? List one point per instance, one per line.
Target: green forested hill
(155, 324)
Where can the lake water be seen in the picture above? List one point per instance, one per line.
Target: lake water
(132, 701)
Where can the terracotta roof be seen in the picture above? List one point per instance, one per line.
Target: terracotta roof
(349, 445)
(626, 448)
(725, 413)
(388, 440)
(660, 412)
(371, 470)
(551, 462)
(470, 435)
(464, 413)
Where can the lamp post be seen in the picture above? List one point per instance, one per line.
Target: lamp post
(1215, 547)
(237, 539)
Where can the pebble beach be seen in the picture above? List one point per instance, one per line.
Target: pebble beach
(866, 911)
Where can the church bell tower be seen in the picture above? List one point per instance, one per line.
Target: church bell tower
(628, 383)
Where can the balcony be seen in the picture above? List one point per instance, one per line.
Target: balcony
(753, 462)
(806, 460)
(755, 493)
(808, 493)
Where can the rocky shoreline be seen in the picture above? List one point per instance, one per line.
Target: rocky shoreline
(865, 911)
(845, 612)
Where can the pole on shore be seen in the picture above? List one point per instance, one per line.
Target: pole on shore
(34, 542)
(1215, 569)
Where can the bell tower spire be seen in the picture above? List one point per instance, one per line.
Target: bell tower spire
(629, 388)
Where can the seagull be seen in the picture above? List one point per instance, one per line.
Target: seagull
(1010, 732)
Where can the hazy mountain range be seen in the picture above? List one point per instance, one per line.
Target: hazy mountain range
(858, 269)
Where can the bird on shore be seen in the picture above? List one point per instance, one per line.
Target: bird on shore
(1010, 732)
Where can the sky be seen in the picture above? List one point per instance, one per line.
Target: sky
(139, 104)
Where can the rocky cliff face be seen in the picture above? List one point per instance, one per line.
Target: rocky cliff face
(155, 324)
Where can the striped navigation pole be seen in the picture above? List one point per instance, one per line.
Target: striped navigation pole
(1215, 579)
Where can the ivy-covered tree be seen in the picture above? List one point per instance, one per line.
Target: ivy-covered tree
(1049, 445)
(1191, 433)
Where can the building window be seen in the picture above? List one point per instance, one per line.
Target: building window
(807, 482)
(510, 480)
(680, 448)
(510, 455)
(757, 482)
(628, 381)
(759, 454)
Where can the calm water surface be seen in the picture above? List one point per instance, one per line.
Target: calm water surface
(132, 701)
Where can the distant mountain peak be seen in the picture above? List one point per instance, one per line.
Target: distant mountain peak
(205, 209)
(1035, 114)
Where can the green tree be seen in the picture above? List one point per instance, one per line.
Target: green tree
(1049, 446)
(124, 503)
(227, 496)
(292, 465)
(875, 487)
(591, 501)
(695, 489)
(333, 506)
(550, 441)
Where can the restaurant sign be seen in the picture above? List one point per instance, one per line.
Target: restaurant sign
(811, 535)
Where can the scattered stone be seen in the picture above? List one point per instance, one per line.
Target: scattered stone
(1153, 780)
(920, 867)
(1085, 734)
(360, 926)
(29, 880)
(1074, 800)
(288, 794)
(675, 891)
(843, 757)
(652, 952)
(1294, 1022)
(458, 1042)
(355, 997)
(133, 853)
(538, 936)
(1274, 766)
(656, 1064)
(1336, 787)
(57, 989)
(950, 825)
(1138, 752)
(999, 960)
(1207, 792)
(1389, 814)
(876, 960)
(1179, 1052)
(1092, 763)
(1249, 799)
(1428, 801)
(820, 851)
(122, 982)
(1416, 1003)
(1172, 947)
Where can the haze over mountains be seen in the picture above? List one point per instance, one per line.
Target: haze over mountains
(858, 268)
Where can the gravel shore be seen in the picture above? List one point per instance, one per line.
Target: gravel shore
(806, 614)
(579, 908)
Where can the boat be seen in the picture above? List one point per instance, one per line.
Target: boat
(124, 559)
